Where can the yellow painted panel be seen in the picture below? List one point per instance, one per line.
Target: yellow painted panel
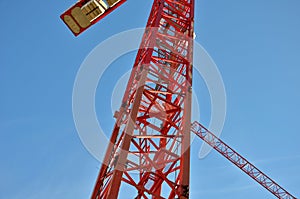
(86, 10)
(92, 15)
(103, 4)
(92, 5)
(80, 17)
(112, 2)
(72, 24)
(98, 12)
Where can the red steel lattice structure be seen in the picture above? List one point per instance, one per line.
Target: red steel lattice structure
(240, 161)
(152, 131)
(149, 148)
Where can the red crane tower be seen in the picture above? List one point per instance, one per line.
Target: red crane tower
(149, 147)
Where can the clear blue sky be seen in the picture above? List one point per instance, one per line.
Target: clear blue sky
(254, 43)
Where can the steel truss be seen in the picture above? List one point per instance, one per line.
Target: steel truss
(240, 161)
(149, 149)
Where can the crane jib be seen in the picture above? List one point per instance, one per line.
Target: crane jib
(85, 14)
(240, 161)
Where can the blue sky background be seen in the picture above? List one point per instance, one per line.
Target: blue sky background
(254, 43)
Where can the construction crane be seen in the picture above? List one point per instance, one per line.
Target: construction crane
(149, 147)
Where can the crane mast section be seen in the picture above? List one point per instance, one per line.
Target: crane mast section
(240, 161)
(149, 146)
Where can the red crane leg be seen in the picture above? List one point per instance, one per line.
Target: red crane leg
(240, 161)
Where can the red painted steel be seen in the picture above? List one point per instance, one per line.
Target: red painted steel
(240, 161)
(149, 151)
